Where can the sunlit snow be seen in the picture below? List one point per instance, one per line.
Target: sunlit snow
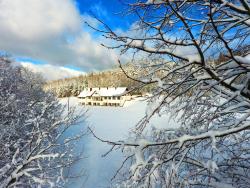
(110, 123)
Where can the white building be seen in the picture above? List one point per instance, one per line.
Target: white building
(108, 96)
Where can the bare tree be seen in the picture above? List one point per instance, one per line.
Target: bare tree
(34, 151)
(210, 99)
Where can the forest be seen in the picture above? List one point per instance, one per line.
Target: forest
(110, 78)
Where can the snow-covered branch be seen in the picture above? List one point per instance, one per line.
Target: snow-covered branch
(201, 78)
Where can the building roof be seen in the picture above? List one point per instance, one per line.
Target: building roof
(103, 91)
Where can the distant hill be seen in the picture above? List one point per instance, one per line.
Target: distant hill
(111, 78)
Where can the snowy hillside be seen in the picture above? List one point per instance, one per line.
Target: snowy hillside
(111, 123)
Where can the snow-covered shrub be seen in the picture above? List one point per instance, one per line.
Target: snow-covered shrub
(33, 151)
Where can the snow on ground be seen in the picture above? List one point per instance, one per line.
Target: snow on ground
(110, 123)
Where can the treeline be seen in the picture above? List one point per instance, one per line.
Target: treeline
(240, 51)
(112, 78)
(116, 77)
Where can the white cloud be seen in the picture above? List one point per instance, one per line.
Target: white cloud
(50, 31)
(51, 72)
(36, 19)
(93, 52)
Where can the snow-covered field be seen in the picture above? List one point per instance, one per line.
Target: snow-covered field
(111, 123)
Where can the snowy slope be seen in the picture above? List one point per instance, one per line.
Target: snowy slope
(112, 123)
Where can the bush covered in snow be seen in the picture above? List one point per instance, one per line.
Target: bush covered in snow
(33, 152)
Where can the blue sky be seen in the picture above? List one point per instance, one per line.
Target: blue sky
(53, 33)
(107, 10)
(51, 37)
